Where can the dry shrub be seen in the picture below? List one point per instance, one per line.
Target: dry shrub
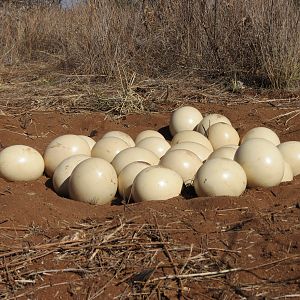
(245, 39)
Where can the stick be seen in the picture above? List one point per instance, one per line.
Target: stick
(205, 274)
(169, 254)
(222, 272)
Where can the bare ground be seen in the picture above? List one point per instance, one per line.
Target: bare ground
(183, 248)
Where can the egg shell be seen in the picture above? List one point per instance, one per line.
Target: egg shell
(93, 181)
(210, 120)
(156, 145)
(291, 153)
(89, 140)
(121, 135)
(222, 134)
(108, 147)
(61, 148)
(201, 151)
(63, 171)
(288, 173)
(191, 136)
(183, 162)
(127, 176)
(261, 161)
(129, 155)
(21, 163)
(220, 177)
(156, 183)
(224, 152)
(184, 118)
(146, 134)
(261, 133)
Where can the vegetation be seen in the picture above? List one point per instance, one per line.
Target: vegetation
(251, 40)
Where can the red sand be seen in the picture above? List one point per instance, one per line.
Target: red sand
(259, 229)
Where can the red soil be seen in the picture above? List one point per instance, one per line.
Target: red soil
(258, 232)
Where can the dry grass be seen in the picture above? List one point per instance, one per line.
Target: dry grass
(35, 87)
(141, 259)
(245, 40)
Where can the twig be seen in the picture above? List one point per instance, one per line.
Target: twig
(222, 272)
(233, 209)
(187, 260)
(168, 254)
(68, 270)
(297, 111)
(287, 296)
(205, 274)
(272, 263)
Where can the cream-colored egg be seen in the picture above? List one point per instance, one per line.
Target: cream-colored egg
(129, 155)
(210, 120)
(191, 136)
(220, 177)
(93, 181)
(156, 145)
(261, 161)
(61, 148)
(127, 176)
(146, 134)
(232, 146)
(222, 134)
(261, 133)
(291, 154)
(108, 147)
(184, 162)
(201, 151)
(21, 163)
(184, 118)
(156, 183)
(288, 173)
(63, 171)
(89, 140)
(121, 135)
(224, 152)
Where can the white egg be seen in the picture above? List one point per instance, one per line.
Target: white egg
(129, 155)
(261, 133)
(108, 147)
(184, 162)
(89, 140)
(210, 120)
(121, 135)
(156, 145)
(21, 163)
(184, 118)
(191, 136)
(220, 177)
(224, 152)
(156, 183)
(63, 171)
(93, 181)
(261, 161)
(222, 134)
(291, 154)
(146, 134)
(201, 151)
(288, 173)
(127, 176)
(61, 148)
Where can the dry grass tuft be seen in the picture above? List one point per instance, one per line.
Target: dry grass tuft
(252, 41)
